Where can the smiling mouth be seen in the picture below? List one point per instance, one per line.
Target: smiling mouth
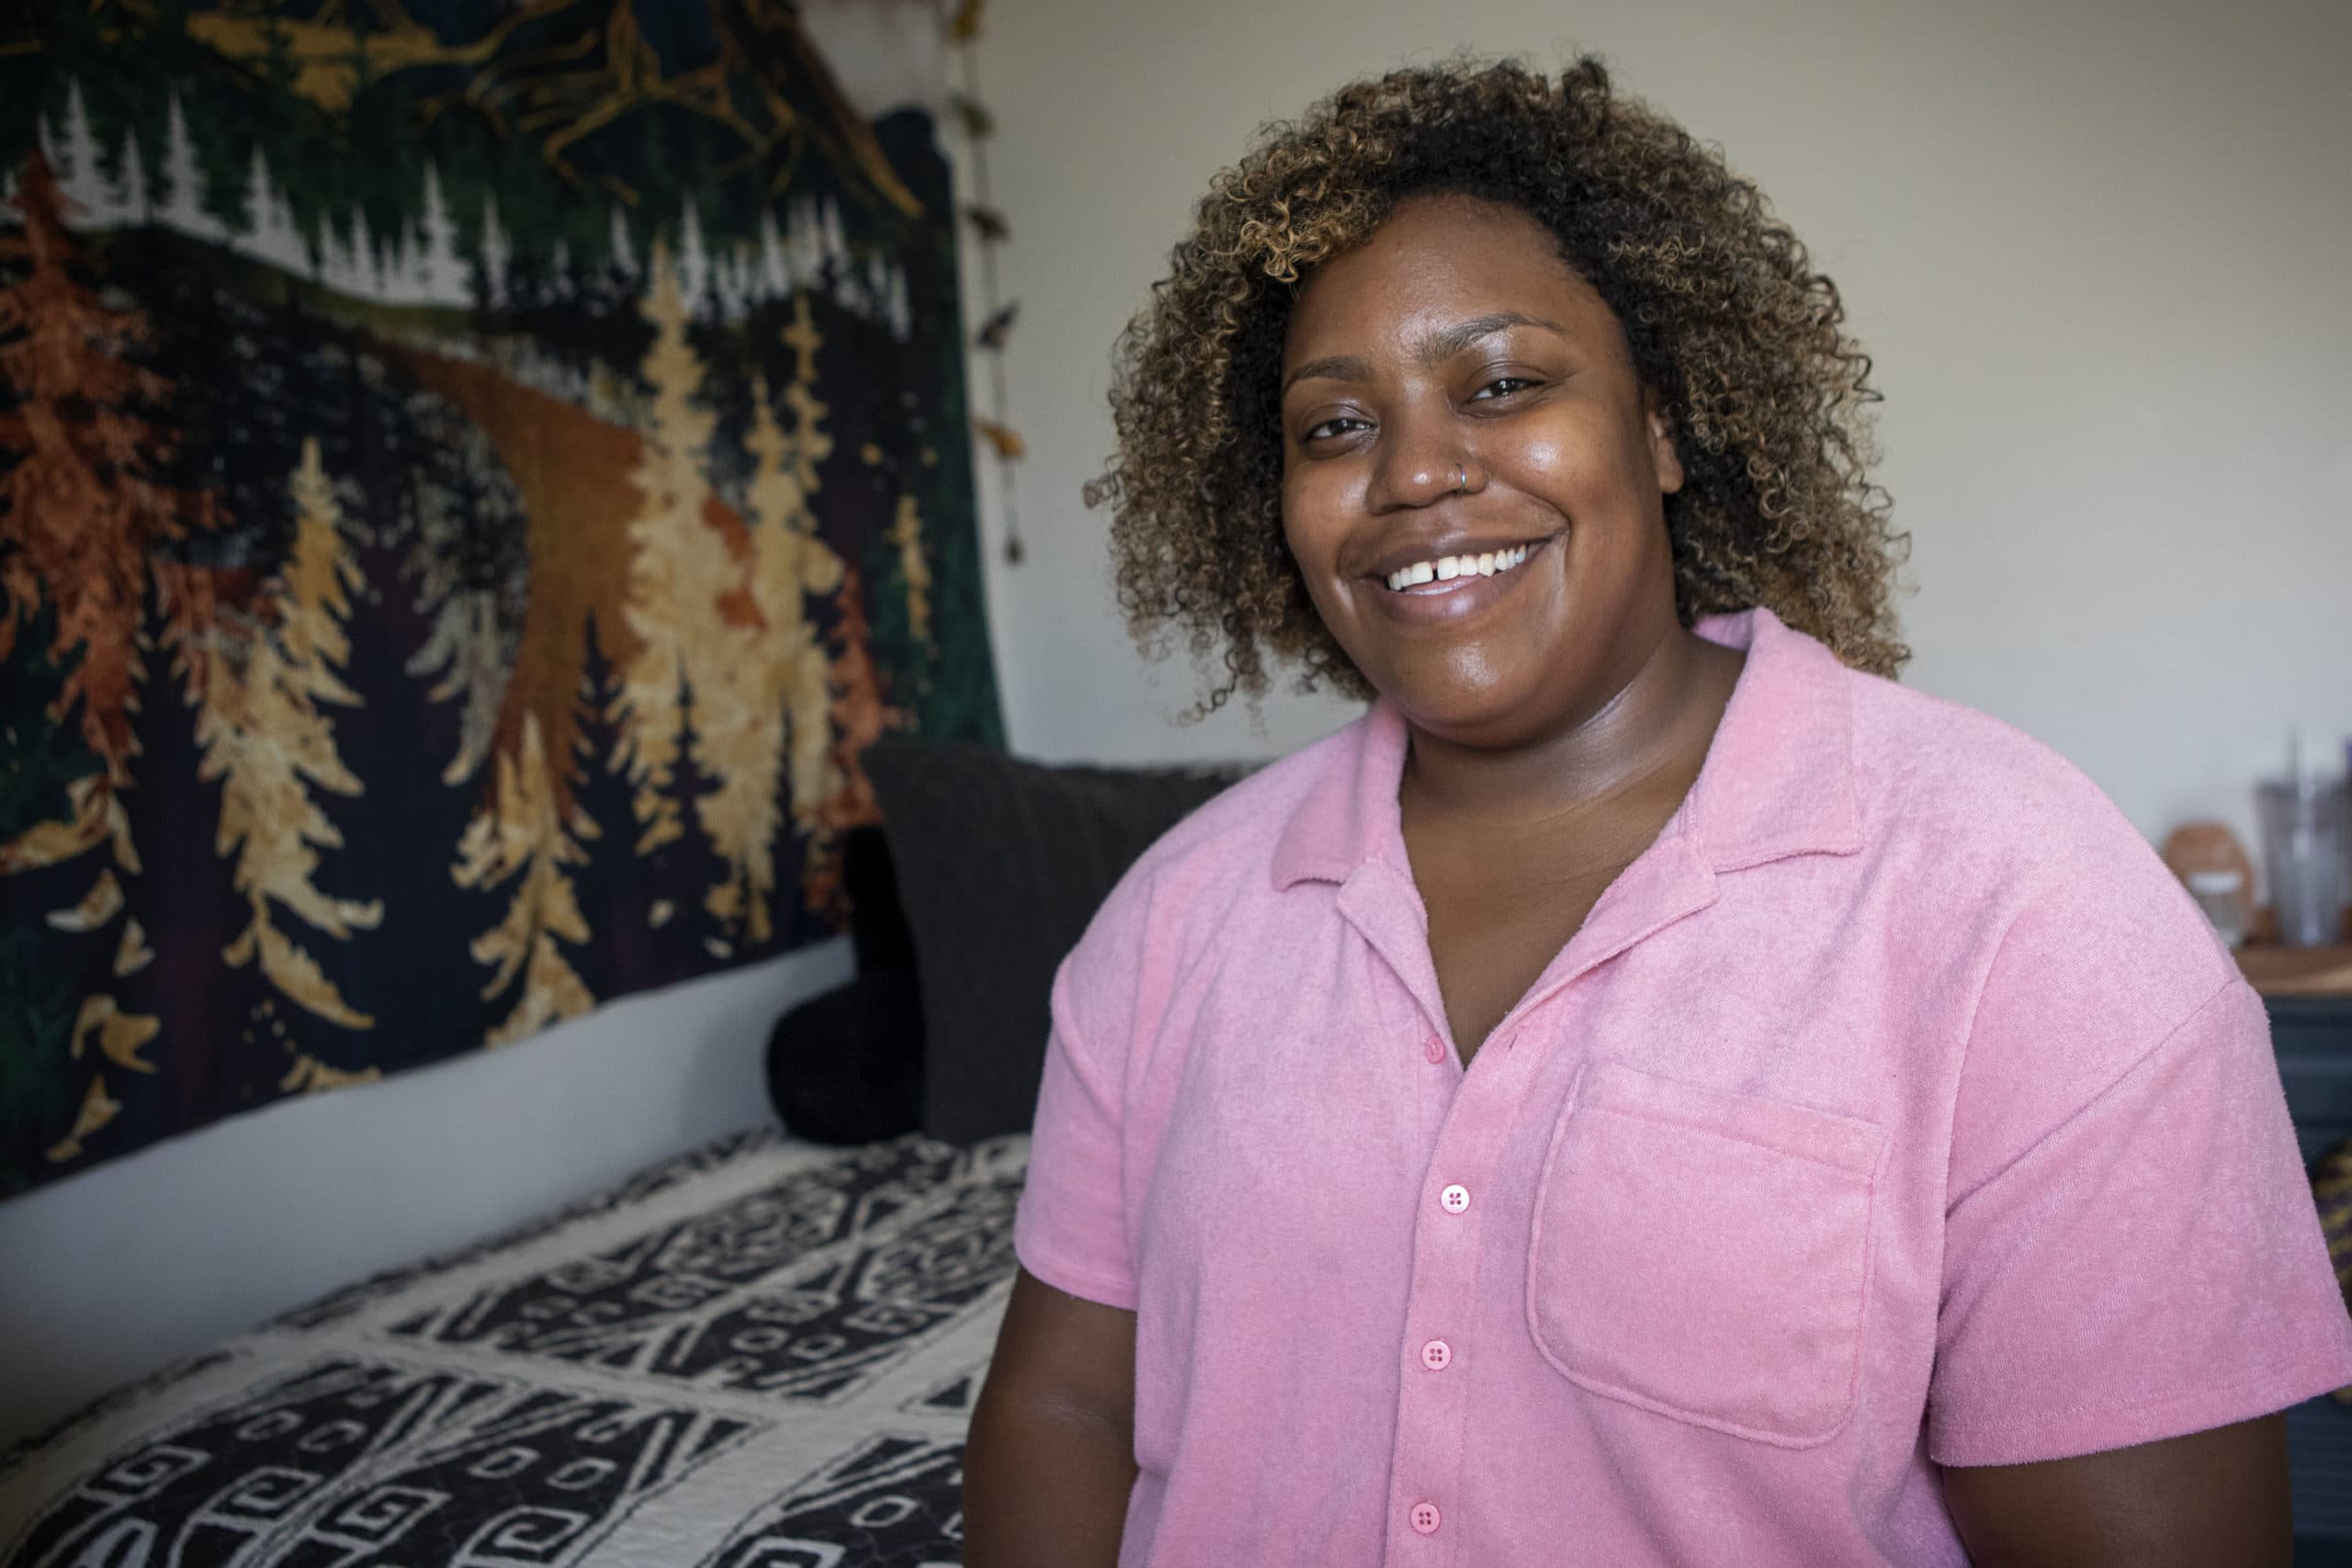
(1448, 569)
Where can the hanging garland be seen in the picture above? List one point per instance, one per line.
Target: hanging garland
(997, 317)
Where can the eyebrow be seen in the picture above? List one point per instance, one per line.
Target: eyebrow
(1447, 342)
(1442, 344)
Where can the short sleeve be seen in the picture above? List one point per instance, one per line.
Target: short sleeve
(1070, 1230)
(2132, 1251)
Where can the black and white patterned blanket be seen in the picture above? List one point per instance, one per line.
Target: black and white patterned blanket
(760, 1355)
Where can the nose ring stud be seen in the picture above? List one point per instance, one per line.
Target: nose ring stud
(1461, 478)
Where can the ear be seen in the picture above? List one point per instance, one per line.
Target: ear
(1664, 455)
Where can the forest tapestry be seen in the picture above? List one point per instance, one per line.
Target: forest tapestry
(474, 476)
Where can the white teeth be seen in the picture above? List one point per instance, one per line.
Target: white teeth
(1445, 569)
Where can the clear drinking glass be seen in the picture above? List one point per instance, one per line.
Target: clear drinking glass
(2302, 851)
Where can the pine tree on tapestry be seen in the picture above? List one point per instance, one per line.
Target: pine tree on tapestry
(742, 814)
(128, 195)
(812, 567)
(693, 266)
(597, 783)
(268, 234)
(185, 207)
(679, 568)
(686, 868)
(440, 275)
(72, 154)
(527, 839)
(84, 506)
(493, 257)
(861, 716)
(611, 884)
(397, 744)
(471, 527)
(621, 253)
(266, 738)
(771, 763)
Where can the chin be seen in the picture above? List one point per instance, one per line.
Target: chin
(1490, 714)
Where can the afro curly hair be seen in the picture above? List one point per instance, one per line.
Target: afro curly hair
(1739, 340)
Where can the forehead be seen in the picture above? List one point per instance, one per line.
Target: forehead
(1435, 260)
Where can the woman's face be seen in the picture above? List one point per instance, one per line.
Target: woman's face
(1456, 342)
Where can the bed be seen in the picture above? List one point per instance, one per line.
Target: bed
(760, 1354)
(763, 1353)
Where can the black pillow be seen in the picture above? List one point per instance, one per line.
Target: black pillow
(877, 923)
(846, 1066)
(1001, 864)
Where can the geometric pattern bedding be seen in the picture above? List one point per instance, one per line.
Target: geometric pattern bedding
(760, 1355)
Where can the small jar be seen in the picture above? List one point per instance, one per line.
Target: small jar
(2222, 895)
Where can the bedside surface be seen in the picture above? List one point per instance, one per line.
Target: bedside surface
(2314, 1039)
(2297, 971)
(2312, 1036)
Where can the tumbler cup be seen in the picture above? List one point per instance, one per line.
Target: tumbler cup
(2302, 845)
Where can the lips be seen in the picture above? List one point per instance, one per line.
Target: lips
(1446, 568)
(1398, 553)
(1452, 602)
(1447, 561)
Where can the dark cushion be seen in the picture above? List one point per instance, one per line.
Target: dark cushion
(877, 924)
(1001, 864)
(846, 1066)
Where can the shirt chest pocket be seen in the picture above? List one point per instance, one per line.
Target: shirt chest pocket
(1706, 1255)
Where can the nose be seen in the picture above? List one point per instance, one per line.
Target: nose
(1418, 463)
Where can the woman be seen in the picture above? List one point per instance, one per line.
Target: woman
(1653, 1092)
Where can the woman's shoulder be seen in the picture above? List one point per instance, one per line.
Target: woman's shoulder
(1921, 768)
(1928, 763)
(1232, 835)
(1998, 819)
(1198, 873)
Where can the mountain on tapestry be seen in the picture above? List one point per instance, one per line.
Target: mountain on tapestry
(474, 475)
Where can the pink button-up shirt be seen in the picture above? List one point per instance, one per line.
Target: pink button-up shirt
(1894, 1109)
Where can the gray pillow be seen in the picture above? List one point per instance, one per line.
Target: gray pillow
(1001, 864)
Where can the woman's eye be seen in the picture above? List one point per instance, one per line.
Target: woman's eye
(1500, 387)
(1331, 427)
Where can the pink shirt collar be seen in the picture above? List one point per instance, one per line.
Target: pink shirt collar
(1778, 781)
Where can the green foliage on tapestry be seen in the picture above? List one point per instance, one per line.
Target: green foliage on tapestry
(38, 1082)
(40, 749)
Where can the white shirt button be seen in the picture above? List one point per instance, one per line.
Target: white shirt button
(1454, 1199)
(1424, 1517)
(1437, 1355)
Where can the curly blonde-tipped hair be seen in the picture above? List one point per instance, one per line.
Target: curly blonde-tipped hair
(1730, 328)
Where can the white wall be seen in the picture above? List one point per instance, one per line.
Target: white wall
(2099, 249)
(134, 1263)
(2096, 248)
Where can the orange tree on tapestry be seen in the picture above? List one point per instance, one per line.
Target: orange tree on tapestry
(473, 478)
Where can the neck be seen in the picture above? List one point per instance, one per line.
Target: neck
(1650, 732)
